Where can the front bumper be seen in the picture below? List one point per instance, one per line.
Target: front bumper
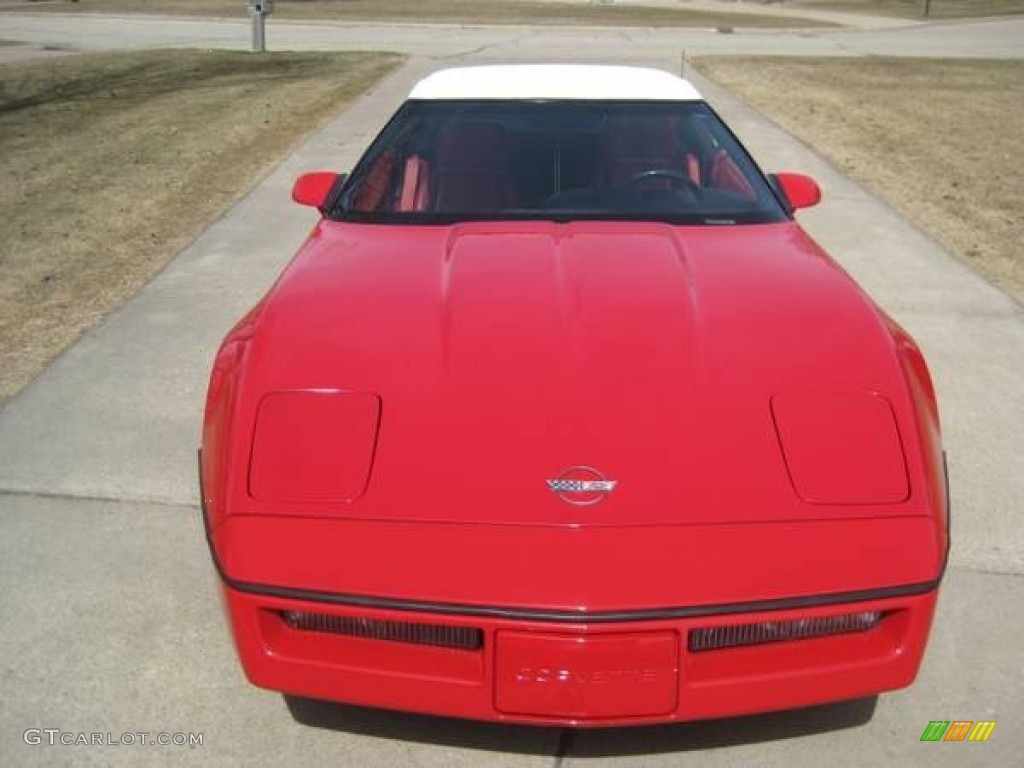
(563, 666)
(576, 674)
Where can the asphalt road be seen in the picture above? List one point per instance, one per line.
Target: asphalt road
(111, 620)
(1003, 38)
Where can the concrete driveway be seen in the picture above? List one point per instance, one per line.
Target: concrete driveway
(111, 620)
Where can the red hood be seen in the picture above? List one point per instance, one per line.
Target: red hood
(505, 353)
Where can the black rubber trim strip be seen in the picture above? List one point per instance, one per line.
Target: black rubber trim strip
(569, 617)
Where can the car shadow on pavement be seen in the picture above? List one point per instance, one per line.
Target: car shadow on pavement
(603, 742)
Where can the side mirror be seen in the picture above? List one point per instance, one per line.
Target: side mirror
(313, 189)
(799, 190)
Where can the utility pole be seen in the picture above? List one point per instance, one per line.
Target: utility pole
(926, 7)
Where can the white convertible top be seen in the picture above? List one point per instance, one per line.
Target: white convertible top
(555, 81)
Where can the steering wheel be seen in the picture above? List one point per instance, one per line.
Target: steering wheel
(663, 173)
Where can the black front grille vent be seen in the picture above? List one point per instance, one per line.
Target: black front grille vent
(444, 636)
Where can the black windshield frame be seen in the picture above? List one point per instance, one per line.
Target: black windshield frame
(771, 205)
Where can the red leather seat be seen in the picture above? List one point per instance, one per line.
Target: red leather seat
(636, 144)
(415, 194)
(726, 175)
(471, 170)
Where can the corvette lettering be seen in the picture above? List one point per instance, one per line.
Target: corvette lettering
(544, 675)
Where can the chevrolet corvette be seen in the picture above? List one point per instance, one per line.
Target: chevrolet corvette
(559, 417)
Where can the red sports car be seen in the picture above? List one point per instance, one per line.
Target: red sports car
(559, 417)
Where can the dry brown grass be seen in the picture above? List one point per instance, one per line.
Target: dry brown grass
(453, 12)
(938, 9)
(939, 139)
(113, 162)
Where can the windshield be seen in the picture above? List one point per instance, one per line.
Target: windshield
(444, 161)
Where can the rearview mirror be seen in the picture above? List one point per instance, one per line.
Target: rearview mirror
(314, 189)
(799, 190)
